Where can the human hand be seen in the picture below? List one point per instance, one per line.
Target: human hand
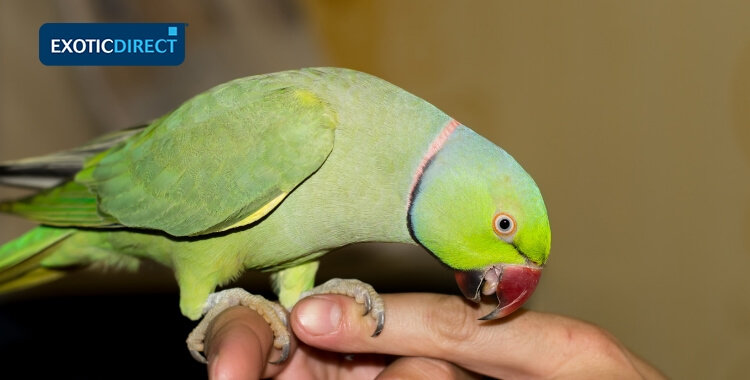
(428, 335)
(239, 346)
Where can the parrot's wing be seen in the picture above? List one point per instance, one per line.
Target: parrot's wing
(224, 159)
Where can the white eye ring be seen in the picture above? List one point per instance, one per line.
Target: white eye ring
(504, 225)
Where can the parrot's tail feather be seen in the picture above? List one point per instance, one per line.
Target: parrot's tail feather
(51, 170)
(21, 259)
(37, 175)
(67, 205)
(32, 278)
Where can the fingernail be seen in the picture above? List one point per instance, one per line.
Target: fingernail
(319, 316)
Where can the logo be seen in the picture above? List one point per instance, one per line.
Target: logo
(112, 44)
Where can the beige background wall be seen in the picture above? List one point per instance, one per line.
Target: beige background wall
(633, 118)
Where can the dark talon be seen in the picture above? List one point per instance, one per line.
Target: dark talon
(368, 304)
(381, 324)
(284, 354)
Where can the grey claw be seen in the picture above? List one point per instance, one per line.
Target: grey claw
(197, 356)
(284, 354)
(381, 324)
(368, 304)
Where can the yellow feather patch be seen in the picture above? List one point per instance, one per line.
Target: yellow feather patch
(306, 97)
(261, 212)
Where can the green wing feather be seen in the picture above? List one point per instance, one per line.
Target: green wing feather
(223, 159)
(60, 201)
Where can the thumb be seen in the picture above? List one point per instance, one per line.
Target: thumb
(416, 324)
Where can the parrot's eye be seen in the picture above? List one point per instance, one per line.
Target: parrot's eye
(504, 225)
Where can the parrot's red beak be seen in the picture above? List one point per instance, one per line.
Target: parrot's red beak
(513, 284)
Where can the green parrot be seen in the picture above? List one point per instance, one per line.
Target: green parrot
(269, 173)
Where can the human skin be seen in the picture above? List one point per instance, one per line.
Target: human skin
(426, 336)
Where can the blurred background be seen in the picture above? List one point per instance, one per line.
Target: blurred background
(632, 117)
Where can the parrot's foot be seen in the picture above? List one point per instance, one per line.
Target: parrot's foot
(217, 302)
(361, 292)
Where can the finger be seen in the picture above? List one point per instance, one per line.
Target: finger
(424, 368)
(416, 324)
(239, 343)
(444, 327)
(312, 363)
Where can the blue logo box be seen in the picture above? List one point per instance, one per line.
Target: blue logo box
(112, 44)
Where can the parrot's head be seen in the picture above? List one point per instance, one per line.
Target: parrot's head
(481, 214)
